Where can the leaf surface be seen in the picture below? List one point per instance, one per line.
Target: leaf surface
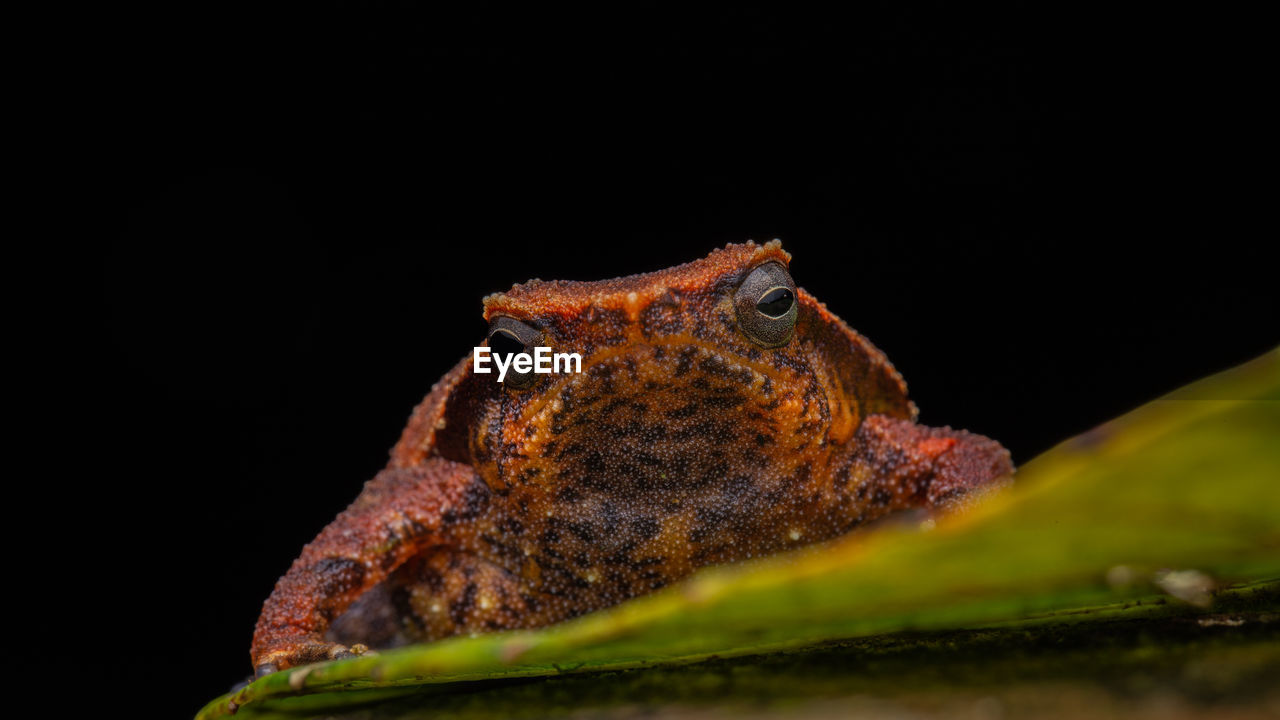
(1166, 506)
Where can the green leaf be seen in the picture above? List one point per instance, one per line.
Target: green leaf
(1176, 500)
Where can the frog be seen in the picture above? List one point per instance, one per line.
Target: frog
(719, 413)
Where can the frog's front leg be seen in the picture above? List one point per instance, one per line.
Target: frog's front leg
(400, 513)
(913, 466)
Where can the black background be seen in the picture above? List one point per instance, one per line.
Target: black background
(1030, 214)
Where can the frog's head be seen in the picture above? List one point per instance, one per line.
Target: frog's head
(690, 376)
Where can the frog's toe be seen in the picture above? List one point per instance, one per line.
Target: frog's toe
(319, 652)
(303, 654)
(338, 652)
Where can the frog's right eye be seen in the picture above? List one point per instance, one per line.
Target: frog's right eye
(508, 336)
(766, 305)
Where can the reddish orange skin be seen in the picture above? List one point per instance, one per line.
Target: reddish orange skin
(682, 443)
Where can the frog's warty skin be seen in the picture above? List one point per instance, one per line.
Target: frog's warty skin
(685, 441)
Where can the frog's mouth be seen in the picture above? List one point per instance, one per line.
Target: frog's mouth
(642, 414)
(632, 371)
(655, 421)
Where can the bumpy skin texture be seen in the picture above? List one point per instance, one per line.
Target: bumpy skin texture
(682, 443)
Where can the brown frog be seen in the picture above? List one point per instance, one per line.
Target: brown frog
(721, 413)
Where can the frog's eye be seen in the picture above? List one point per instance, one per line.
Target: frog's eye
(507, 337)
(766, 305)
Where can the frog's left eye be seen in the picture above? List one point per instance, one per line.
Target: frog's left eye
(766, 305)
(508, 336)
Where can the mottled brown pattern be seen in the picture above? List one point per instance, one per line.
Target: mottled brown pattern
(682, 443)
